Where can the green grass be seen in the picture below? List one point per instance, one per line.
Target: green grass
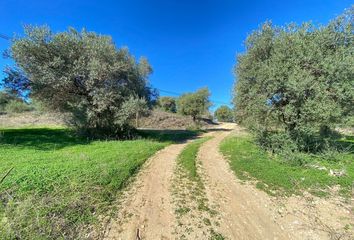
(277, 176)
(61, 185)
(187, 158)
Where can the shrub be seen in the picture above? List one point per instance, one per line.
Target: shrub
(15, 106)
(167, 104)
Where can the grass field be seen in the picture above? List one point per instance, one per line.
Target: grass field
(275, 175)
(60, 184)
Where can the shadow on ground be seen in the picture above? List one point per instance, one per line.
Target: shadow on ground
(50, 138)
(40, 138)
(175, 135)
(169, 135)
(47, 139)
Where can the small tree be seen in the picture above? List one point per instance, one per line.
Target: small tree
(224, 114)
(84, 74)
(194, 104)
(168, 104)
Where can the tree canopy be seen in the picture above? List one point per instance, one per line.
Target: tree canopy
(168, 104)
(224, 114)
(194, 104)
(84, 74)
(299, 78)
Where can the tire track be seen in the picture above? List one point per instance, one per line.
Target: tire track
(147, 211)
(243, 210)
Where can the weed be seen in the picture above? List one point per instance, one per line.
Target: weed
(215, 235)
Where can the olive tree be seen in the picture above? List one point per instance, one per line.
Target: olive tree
(83, 74)
(194, 104)
(168, 104)
(224, 114)
(297, 78)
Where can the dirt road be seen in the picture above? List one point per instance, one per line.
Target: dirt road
(147, 212)
(241, 211)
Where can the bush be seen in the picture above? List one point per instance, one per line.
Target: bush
(276, 142)
(167, 104)
(15, 106)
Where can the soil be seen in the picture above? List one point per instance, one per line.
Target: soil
(162, 204)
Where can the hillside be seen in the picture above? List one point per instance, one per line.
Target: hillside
(30, 119)
(156, 120)
(163, 120)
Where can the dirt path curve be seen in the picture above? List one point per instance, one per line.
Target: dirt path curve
(243, 209)
(147, 207)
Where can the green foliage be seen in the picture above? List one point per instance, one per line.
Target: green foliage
(62, 185)
(297, 79)
(11, 103)
(84, 74)
(194, 104)
(16, 106)
(224, 114)
(279, 173)
(168, 104)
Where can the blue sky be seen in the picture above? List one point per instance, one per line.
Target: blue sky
(190, 44)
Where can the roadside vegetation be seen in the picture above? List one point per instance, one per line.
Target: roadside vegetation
(62, 185)
(318, 173)
(295, 84)
(294, 88)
